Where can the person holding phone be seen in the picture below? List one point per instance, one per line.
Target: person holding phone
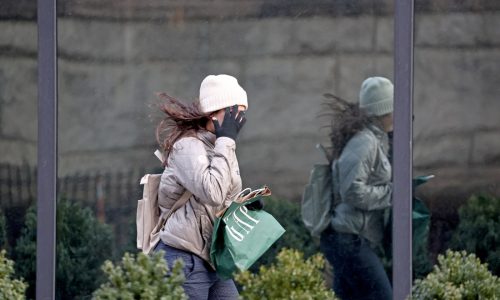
(199, 143)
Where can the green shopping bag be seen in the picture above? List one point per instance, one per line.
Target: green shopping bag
(420, 232)
(241, 236)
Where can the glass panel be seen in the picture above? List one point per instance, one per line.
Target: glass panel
(456, 125)
(18, 135)
(114, 57)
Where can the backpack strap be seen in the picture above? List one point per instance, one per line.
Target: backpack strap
(324, 151)
(181, 202)
(159, 155)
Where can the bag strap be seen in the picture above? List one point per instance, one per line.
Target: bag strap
(324, 151)
(181, 202)
(159, 155)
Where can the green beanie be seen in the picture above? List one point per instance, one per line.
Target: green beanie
(376, 97)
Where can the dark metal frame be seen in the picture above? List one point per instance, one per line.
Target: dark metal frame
(47, 148)
(403, 159)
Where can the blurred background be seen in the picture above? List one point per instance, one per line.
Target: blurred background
(114, 55)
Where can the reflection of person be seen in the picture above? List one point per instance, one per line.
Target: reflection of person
(362, 191)
(199, 143)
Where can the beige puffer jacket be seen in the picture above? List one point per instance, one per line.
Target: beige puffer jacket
(208, 168)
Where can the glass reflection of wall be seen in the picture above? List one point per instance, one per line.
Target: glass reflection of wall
(457, 129)
(18, 133)
(115, 56)
(18, 119)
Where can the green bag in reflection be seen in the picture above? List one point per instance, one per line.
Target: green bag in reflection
(421, 218)
(420, 232)
(241, 236)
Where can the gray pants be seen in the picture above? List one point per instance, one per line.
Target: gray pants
(202, 283)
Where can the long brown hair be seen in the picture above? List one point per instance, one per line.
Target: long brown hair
(180, 120)
(347, 119)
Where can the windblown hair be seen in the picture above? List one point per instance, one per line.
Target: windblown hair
(180, 120)
(347, 119)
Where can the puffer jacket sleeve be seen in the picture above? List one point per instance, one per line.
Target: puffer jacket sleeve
(354, 167)
(209, 180)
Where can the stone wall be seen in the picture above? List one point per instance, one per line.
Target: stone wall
(110, 69)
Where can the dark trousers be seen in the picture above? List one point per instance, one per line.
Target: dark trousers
(202, 282)
(358, 273)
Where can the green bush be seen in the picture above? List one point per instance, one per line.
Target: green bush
(296, 235)
(479, 230)
(3, 231)
(142, 277)
(12, 289)
(130, 246)
(291, 277)
(458, 276)
(83, 244)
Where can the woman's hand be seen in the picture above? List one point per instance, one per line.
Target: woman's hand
(232, 123)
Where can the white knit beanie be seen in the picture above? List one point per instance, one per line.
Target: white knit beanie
(220, 91)
(376, 97)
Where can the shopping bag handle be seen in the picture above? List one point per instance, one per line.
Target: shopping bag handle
(264, 191)
(246, 195)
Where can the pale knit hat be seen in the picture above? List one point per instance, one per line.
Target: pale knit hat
(220, 91)
(376, 97)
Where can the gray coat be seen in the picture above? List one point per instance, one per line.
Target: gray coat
(208, 168)
(362, 185)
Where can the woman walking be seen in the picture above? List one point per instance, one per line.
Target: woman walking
(199, 142)
(362, 190)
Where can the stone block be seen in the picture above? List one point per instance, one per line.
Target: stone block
(267, 37)
(98, 109)
(441, 150)
(18, 95)
(486, 147)
(325, 35)
(18, 152)
(167, 41)
(254, 37)
(282, 162)
(449, 30)
(285, 94)
(353, 69)
(228, 39)
(462, 5)
(384, 38)
(94, 40)
(491, 27)
(20, 35)
(116, 160)
(132, 41)
(384, 65)
(456, 90)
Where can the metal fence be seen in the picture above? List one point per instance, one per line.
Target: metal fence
(112, 196)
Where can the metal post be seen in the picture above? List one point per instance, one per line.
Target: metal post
(403, 167)
(47, 150)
